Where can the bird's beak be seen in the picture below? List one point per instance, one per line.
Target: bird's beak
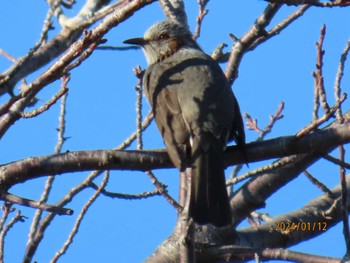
(140, 41)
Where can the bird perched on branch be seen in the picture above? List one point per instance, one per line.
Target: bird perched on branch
(196, 113)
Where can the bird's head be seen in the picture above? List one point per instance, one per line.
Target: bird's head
(162, 40)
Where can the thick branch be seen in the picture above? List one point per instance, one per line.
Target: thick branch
(71, 31)
(26, 169)
(252, 195)
(316, 217)
(91, 39)
(313, 219)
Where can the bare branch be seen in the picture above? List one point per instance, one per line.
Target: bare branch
(264, 185)
(58, 148)
(323, 119)
(289, 255)
(316, 217)
(20, 171)
(32, 246)
(202, 13)
(338, 78)
(318, 75)
(64, 63)
(7, 197)
(71, 31)
(138, 88)
(241, 46)
(313, 219)
(127, 142)
(174, 10)
(331, 3)
(162, 190)
(139, 196)
(22, 61)
(319, 184)
(218, 54)
(6, 55)
(52, 101)
(17, 218)
(260, 170)
(81, 216)
(253, 124)
(277, 29)
(7, 209)
(336, 161)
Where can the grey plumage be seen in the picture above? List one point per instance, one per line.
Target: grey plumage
(196, 113)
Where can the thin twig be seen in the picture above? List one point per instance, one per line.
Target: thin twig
(260, 170)
(7, 209)
(138, 88)
(174, 10)
(59, 67)
(58, 148)
(318, 3)
(252, 124)
(86, 53)
(105, 47)
(33, 245)
(336, 161)
(127, 142)
(319, 184)
(277, 29)
(7, 55)
(34, 242)
(218, 54)
(162, 190)
(51, 102)
(35, 204)
(202, 13)
(316, 108)
(17, 218)
(139, 196)
(339, 76)
(80, 218)
(239, 48)
(314, 125)
(318, 75)
(43, 37)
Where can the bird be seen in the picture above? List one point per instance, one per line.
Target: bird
(196, 113)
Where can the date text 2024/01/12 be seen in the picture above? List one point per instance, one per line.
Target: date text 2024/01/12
(303, 226)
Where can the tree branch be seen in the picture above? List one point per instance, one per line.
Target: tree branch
(331, 3)
(316, 217)
(62, 65)
(288, 255)
(20, 171)
(71, 30)
(313, 219)
(174, 10)
(244, 43)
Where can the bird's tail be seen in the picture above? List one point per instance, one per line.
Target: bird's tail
(209, 203)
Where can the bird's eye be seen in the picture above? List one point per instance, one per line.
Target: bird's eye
(163, 36)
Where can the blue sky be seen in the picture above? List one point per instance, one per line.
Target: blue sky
(101, 114)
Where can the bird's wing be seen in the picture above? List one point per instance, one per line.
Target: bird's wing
(161, 91)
